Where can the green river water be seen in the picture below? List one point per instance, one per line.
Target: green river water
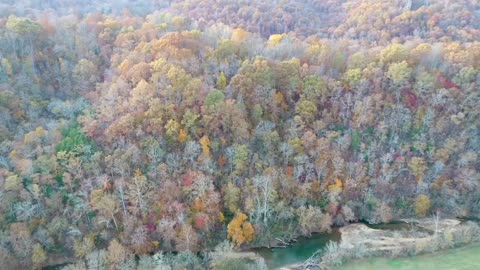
(467, 258)
(298, 251)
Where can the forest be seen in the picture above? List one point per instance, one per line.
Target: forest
(161, 134)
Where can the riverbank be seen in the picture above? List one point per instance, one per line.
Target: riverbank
(465, 258)
(297, 251)
(426, 236)
(402, 239)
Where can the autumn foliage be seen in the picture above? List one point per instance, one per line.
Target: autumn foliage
(137, 127)
(240, 230)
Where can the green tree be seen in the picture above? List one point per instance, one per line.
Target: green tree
(307, 109)
(466, 76)
(232, 197)
(22, 26)
(352, 77)
(241, 154)
(85, 75)
(399, 73)
(314, 87)
(214, 99)
(221, 82)
(7, 67)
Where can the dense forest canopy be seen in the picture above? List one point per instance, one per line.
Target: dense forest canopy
(129, 128)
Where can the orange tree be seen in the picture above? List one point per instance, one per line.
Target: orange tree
(240, 230)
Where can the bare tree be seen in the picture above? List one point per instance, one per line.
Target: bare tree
(264, 197)
(436, 220)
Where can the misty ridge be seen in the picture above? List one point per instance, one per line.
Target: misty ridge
(175, 134)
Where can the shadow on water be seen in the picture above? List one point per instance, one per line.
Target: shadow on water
(305, 247)
(298, 251)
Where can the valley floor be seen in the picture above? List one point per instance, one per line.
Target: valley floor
(465, 258)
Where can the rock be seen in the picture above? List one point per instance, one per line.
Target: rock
(297, 266)
(429, 223)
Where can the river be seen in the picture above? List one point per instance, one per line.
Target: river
(298, 251)
(305, 247)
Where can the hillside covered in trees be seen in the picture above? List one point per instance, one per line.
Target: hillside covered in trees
(133, 128)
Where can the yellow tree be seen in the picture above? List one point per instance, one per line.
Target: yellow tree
(182, 136)
(240, 230)
(239, 35)
(422, 205)
(275, 39)
(394, 53)
(352, 77)
(117, 253)
(171, 130)
(205, 143)
(399, 73)
(39, 256)
(417, 166)
(13, 182)
(307, 109)
(105, 203)
(221, 82)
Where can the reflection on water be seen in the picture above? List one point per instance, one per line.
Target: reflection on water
(464, 258)
(305, 247)
(298, 251)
